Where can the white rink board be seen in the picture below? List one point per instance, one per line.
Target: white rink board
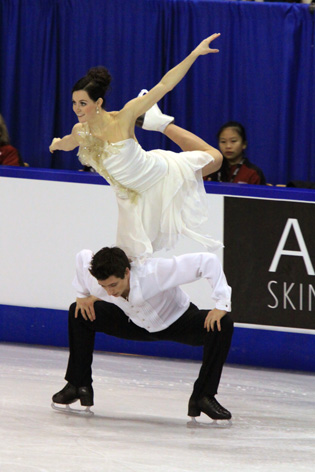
(45, 223)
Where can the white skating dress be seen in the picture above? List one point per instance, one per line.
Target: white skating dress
(160, 194)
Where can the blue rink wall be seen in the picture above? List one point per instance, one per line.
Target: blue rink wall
(40, 235)
(252, 347)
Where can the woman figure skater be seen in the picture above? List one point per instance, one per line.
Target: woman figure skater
(160, 194)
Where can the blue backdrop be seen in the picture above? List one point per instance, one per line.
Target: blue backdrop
(263, 76)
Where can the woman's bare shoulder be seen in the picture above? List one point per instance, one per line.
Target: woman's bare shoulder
(77, 128)
(78, 132)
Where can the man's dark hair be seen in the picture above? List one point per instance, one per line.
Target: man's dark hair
(109, 261)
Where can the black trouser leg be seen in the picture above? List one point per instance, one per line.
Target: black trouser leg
(81, 346)
(216, 348)
(111, 320)
(189, 329)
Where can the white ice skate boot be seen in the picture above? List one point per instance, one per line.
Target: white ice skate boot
(153, 119)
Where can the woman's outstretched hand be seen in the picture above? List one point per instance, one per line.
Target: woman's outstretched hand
(204, 47)
(67, 143)
(53, 147)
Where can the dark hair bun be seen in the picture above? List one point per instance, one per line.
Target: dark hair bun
(101, 75)
(96, 83)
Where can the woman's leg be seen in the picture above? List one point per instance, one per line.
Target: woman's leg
(188, 141)
(155, 120)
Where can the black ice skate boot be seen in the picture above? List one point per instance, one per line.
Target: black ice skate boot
(66, 396)
(210, 406)
(86, 396)
(70, 394)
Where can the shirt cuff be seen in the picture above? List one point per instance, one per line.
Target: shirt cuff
(223, 305)
(82, 295)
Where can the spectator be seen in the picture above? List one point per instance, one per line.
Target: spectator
(236, 167)
(9, 156)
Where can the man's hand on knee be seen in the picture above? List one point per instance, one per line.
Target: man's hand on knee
(213, 318)
(86, 307)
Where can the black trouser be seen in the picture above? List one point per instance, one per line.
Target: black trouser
(188, 329)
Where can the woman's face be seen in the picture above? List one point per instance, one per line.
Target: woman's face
(83, 106)
(231, 145)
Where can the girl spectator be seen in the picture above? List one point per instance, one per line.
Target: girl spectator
(9, 155)
(236, 167)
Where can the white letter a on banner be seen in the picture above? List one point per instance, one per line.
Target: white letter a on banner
(292, 222)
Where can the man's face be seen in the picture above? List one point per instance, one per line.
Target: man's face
(115, 286)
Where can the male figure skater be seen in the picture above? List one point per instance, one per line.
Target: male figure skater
(144, 302)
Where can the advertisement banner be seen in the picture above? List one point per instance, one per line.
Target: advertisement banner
(269, 260)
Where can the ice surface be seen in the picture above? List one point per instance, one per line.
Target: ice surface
(140, 418)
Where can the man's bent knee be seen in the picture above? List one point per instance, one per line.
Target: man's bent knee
(227, 323)
(72, 308)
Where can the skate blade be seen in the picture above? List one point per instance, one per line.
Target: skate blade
(72, 411)
(194, 424)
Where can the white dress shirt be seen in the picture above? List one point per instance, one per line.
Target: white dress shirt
(155, 299)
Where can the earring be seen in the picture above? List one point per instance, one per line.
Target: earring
(97, 110)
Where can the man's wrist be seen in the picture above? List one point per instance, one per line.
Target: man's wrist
(224, 305)
(83, 295)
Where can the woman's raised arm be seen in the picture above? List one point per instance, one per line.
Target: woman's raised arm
(140, 105)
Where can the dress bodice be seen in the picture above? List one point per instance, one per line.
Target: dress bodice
(124, 164)
(160, 194)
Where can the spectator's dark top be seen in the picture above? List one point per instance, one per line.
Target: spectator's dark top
(9, 156)
(243, 173)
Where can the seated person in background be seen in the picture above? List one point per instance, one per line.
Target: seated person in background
(236, 167)
(9, 156)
